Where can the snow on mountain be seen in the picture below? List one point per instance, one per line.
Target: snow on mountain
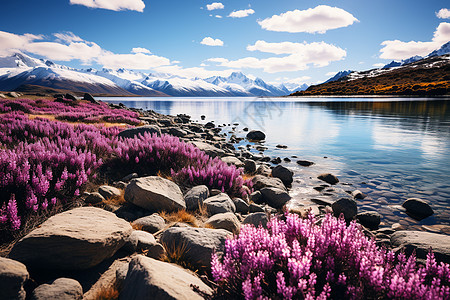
(445, 49)
(293, 87)
(181, 87)
(127, 80)
(339, 75)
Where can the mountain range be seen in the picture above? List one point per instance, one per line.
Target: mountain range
(429, 75)
(20, 72)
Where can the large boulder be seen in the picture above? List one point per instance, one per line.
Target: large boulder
(345, 206)
(152, 223)
(421, 242)
(155, 193)
(417, 208)
(73, 240)
(283, 173)
(136, 131)
(231, 160)
(194, 197)
(275, 197)
(227, 221)
(328, 178)
(61, 289)
(260, 182)
(256, 135)
(218, 204)
(148, 278)
(369, 219)
(198, 243)
(13, 275)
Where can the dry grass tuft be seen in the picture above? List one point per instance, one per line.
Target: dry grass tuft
(120, 200)
(176, 254)
(108, 293)
(136, 226)
(181, 216)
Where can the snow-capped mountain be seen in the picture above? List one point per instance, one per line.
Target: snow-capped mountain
(445, 49)
(241, 85)
(339, 75)
(20, 69)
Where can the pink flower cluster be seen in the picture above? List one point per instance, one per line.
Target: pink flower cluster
(73, 111)
(43, 162)
(297, 259)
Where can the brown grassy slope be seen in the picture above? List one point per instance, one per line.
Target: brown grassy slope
(427, 77)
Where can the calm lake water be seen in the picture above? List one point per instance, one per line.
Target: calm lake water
(389, 148)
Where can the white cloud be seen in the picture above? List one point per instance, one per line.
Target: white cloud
(398, 50)
(301, 55)
(297, 80)
(67, 37)
(116, 5)
(241, 13)
(10, 42)
(84, 51)
(444, 13)
(138, 61)
(218, 16)
(378, 65)
(313, 20)
(140, 50)
(209, 41)
(215, 5)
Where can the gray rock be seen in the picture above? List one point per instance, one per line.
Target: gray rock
(209, 149)
(194, 197)
(109, 191)
(249, 166)
(284, 174)
(231, 160)
(256, 197)
(421, 242)
(357, 194)
(260, 182)
(369, 219)
(345, 206)
(70, 96)
(257, 219)
(417, 208)
(253, 208)
(61, 289)
(120, 185)
(303, 211)
(305, 163)
(256, 135)
(94, 198)
(328, 178)
(227, 221)
(199, 243)
(241, 205)
(152, 223)
(73, 240)
(136, 131)
(221, 203)
(90, 98)
(2, 96)
(178, 132)
(275, 197)
(264, 170)
(148, 278)
(13, 275)
(139, 241)
(155, 193)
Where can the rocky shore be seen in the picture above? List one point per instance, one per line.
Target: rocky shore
(144, 234)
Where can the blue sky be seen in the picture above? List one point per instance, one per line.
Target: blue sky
(285, 40)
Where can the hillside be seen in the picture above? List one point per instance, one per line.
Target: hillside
(425, 77)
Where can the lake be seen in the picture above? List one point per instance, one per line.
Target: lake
(389, 148)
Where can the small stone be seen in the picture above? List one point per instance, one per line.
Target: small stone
(256, 197)
(253, 208)
(305, 163)
(281, 146)
(221, 203)
(284, 174)
(275, 197)
(152, 223)
(109, 191)
(357, 194)
(141, 130)
(70, 96)
(194, 197)
(130, 176)
(256, 135)
(94, 198)
(227, 221)
(276, 161)
(13, 275)
(231, 160)
(328, 178)
(61, 288)
(241, 205)
(417, 208)
(260, 182)
(370, 219)
(249, 166)
(345, 206)
(257, 219)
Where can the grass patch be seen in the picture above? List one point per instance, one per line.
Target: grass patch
(180, 216)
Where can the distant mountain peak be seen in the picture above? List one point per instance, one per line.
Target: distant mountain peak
(339, 75)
